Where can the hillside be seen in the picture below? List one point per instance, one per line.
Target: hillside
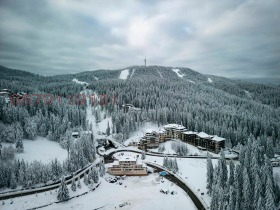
(216, 105)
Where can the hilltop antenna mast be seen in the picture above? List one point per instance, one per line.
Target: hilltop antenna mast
(145, 61)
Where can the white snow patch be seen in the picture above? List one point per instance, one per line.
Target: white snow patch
(96, 78)
(209, 80)
(178, 72)
(132, 73)
(124, 74)
(42, 150)
(79, 82)
(191, 81)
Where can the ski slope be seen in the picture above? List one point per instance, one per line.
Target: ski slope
(178, 72)
(124, 74)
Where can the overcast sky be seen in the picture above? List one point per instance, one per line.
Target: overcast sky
(227, 38)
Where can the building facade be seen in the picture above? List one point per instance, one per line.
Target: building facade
(127, 166)
(203, 141)
(149, 141)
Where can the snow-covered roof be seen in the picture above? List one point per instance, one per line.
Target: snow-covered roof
(127, 105)
(190, 132)
(86, 132)
(161, 131)
(75, 133)
(175, 126)
(150, 130)
(217, 138)
(204, 135)
(127, 159)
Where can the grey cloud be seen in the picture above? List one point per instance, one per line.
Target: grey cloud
(232, 39)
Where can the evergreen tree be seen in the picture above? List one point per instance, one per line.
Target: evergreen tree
(73, 185)
(95, 175)
(246, 191)
(13, 181)
(164, 162)
(79, 183)
(19, 146)
(231, 173)
(210, 171)
(175, 166)
(223, 168)
(269, 148)
(102, 168)
(232, 198)
(269, 194)
(257, 191)
(143, 155)
(63, 193)
(85, 179)
(108, 131)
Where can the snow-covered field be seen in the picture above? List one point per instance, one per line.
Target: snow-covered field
(41, 149)
(138, 192)
(124, 74)
(209, 80)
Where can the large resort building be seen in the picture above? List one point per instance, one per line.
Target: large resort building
(127, 166)
(203, 141)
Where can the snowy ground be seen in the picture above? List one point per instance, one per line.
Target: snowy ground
(41, 149)
(140, 193)
(193, 171)
(124, 74)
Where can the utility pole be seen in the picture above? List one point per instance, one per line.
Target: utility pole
(145, 61)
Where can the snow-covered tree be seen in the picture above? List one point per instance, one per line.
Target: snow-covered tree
(269, 148)
(161, 148)
(210, 171)
(95, 175)
(231, 173)
(108, 130)
(73, 185)
(101, 168)
(19, 146)
(79, 183)
(85, 178)
(143, 155)
(63, 193)
(175, 166)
